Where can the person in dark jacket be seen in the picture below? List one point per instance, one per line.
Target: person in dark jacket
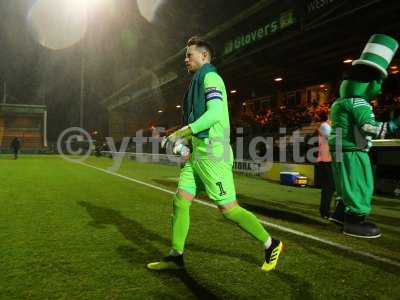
(15, 146)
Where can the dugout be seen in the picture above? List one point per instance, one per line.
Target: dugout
(27, 122)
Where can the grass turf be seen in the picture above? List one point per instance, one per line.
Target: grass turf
(73, 232)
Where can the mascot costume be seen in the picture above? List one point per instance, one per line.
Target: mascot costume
(353, 128)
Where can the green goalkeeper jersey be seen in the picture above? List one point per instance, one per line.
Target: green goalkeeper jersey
(354, 125)
(216, 119)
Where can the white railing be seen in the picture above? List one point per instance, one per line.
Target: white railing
(246, 167)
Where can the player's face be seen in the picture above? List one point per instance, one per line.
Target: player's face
(195, 58)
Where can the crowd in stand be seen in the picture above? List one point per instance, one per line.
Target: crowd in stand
(271, 119)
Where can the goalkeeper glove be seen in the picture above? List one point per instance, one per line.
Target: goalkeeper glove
(180, 147)
(172, 138)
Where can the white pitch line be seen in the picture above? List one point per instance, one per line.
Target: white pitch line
(278, 227)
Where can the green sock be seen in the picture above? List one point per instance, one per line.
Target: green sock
(248, 222)
(180, 222)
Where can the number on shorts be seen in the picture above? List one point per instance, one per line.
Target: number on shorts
(221, 189)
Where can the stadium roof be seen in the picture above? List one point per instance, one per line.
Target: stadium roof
(302, 44)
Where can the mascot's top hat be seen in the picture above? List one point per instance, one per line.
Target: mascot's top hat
(378, 53)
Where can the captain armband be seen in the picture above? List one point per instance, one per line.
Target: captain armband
(213, 93)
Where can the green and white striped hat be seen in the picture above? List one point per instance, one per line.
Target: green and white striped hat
(378, 53)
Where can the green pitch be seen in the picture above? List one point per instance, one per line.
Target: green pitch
(69, 231)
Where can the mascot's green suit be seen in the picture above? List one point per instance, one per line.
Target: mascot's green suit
(353, 128)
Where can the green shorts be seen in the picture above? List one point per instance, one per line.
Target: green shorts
(212, 176)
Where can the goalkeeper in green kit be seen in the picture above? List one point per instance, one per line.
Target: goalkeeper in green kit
(209, 165)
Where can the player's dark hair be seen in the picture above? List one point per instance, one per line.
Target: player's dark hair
(201, 43)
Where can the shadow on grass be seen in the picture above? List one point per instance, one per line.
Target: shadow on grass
(386, 220)
(307, 206)
(299, 287)
(166, 183)
(316, 248)
(138, 255)
(143, 249)
(386, 203)
(278, 211)
(260, 206)
(285, 210)
(136, 233)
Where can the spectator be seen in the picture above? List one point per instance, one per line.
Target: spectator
(324, 168)
(15, 146)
